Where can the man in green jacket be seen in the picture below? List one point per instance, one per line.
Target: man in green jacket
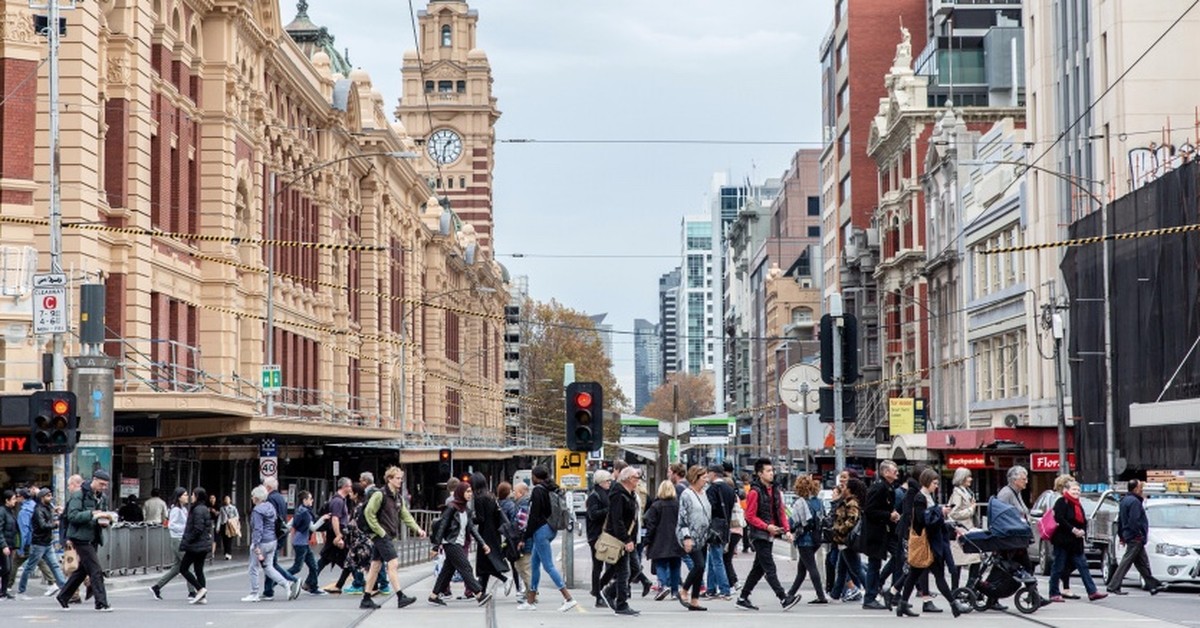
(87, 513)
(384, 513)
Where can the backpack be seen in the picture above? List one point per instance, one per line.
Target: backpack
(360, 515)
(324, 526)
(560, 514)
(1047, 525)
(816, 519)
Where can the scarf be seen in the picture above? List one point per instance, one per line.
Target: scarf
(1074, 501)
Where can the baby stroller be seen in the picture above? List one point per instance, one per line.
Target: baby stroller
(1002, 572)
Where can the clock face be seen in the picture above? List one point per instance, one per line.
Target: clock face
(444, 146)
(797, 383)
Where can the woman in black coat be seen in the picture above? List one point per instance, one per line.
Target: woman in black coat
(196, 543)
(1068, 543)
(662, 546)
(488, 519)
(930, 519)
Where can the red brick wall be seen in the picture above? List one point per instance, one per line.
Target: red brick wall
(116, 145)
(114, 311)
(18, 124)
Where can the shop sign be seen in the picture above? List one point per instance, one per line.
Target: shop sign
(967, 461)
(13, 444)
(1049, 462)
(906, 415)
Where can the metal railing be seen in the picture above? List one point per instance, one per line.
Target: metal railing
(135, 548)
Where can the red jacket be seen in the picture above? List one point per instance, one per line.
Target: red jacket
(752, 507)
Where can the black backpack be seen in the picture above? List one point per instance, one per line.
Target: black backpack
(324, 526)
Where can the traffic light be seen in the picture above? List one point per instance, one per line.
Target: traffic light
(849, 349)
(445, 463)
(585, 416)
(53, 422)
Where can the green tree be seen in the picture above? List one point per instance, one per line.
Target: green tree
(552, 336)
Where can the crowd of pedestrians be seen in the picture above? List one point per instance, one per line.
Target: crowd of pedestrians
(883, 543)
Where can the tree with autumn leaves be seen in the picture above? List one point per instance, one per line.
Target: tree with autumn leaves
(695, 397)
(553, 335)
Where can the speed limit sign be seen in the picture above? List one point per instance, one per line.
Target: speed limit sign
(268, 467)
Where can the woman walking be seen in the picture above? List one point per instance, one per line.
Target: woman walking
(962, 512)
(197, 542)
(489, 519)
(262, 547)
(538, 535)
(451, 533)
(662, 547)
(229, 526)
(1060, 486)
(695, 513)
(808, 512)
(931, 532)
(1068, 543)
(845, 520)
(176, 523)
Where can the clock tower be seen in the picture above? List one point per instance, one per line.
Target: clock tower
(448, 107)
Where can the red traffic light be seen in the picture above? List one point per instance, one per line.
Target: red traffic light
(583, 400)
(444, 455)
(61, 406)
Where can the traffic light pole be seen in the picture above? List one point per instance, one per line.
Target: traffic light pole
(839, 430)
(568, 543)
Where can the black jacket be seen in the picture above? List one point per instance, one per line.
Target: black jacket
(877, 519)
(539, 507)
(81, 527)
(1068, 520)
(661, 519)
(622, 513)
(8, 528)
(43, 525)
(597, 511)
(198, 533)
(488, 520)
(1132, 518)
(448, 526)
(933, 523)
(906, 509)
(722, 496)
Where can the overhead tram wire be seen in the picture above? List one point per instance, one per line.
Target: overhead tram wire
(412, 16)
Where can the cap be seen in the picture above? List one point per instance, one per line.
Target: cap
(101, 474)
(42, 494)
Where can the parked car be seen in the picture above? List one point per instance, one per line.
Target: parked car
(1174, 544)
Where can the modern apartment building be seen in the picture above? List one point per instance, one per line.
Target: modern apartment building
(696, 332)
(668, 320)
(647, 363)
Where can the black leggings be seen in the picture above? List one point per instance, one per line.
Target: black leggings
(938, 569)
(193, 561)
(695, 577)
(808, 566)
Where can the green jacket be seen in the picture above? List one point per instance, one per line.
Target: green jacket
(383, 521)
(81, 527)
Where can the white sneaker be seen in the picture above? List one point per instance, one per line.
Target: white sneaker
(199, 597)
(568, 605)
(526, 606)
(51, 591)
(23, 597)
(253, 597)
(228, 557)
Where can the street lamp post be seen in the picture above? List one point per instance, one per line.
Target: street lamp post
(275, 194)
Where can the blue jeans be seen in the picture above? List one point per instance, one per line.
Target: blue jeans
(718, 580)
(1062, 558)
(543, 558)
(37, 553)
(269, 585)
(668, 573)
(305, 557)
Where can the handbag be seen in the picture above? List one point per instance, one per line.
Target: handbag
(610, 549)
(232, 529)
(920, 555)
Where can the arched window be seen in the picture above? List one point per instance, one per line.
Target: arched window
(802, 315)
(446, 38)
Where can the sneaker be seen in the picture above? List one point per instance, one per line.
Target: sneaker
(353, 590)
(105, 608)
(203, 601)
(156, 592)
(1097, 596)
(228, 557)
(52, 591)
(790, 602)
(199, 596)
(266, 598)
(568, 605)
(662, 595)
(819, 600)
(745, 604)
(367, 603)
(484, 598)
(404, 600)
(253, 597)
(625, 610)
(294, 590)
(853, 596)
(318, 592)
(526, 606)
(63, 603)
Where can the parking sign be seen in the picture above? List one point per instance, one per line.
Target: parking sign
(50, 303)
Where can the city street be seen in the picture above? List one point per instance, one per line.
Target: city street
(131, 601)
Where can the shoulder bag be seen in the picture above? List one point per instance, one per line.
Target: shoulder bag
(920, 555)
(610, 549)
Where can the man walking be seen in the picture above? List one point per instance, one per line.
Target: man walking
(1134, 530)
(279, 502)
(86, 514)
(879, 531)
(722, 497)
(334, 550)
(384, 513)
(766, 519)
(622, 517)
(41, 552)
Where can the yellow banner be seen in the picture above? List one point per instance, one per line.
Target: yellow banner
(901, 415)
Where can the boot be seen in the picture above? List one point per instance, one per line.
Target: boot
(904, 609)
(367, 602)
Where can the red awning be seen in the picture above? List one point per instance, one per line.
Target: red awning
(998, 438)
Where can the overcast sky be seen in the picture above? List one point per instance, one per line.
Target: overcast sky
(742, 70)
